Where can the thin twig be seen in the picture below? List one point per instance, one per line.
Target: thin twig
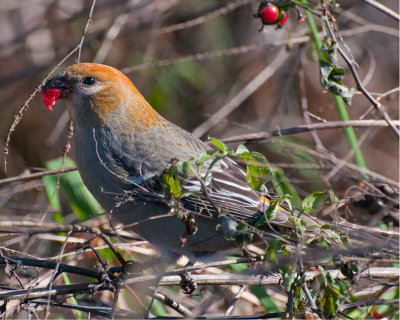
(66, 149)
(58, 128)
(358, 81)
(194, 57)
(230, 6)
(260, 279)
(173, 304)
(267, 135)
(204, 279)
(235, 301)
(25, 106)
(39, 227)
(55, 274)
(56, 290)
(28, 176)
(355, 16)
(289, 304)
(303, 281)
(88, 21)
(101, 311)
(360, 304)
(381, 96)
(117, 290)
(254, 47)
(384, 9)
(306, 128)
(22, 262)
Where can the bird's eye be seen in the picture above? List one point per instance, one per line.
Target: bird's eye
(89, 81)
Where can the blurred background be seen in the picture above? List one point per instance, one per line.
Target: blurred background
(191, 59)
(36, 35)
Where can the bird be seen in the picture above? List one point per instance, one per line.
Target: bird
(123, 150)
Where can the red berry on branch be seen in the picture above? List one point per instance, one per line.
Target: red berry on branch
(284, 19)
(301, 19)
(269, 13)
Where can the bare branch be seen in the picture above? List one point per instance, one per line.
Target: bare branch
(173, 304)
(360, 86)
(39, 227)
(384, 9)
(230, 6)
(261, 280)
(27, 176)
(25, 106)
(309, 127)
(89, 20)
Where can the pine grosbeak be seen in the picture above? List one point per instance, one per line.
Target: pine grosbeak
(123, 147)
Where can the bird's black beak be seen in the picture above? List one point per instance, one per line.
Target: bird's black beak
(59, 82)
(56, 88)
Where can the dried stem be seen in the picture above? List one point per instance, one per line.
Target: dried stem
(88, 21)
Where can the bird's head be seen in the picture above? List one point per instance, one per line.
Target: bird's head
(97, 91)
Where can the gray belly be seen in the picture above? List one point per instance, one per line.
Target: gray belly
(166, 232)
(151, 220)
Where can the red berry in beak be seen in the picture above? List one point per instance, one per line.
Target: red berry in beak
(50, 97)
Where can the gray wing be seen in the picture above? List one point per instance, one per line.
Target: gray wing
(226, 190)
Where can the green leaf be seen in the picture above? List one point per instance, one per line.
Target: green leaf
(289, 274)
(316, 201)
(206, 155)
(275, 247)
(299, 225)
(53, 194)
(266, 300)
(258, 168)
(219, 144)
(237, 267)
(283, 186)
(171, 184)
(212, 164)
(80, 199)
(187, 167)
(253, 177)
(241, 149)
(330, 292)
(331, 75)
(272, 210)
(157, 308)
